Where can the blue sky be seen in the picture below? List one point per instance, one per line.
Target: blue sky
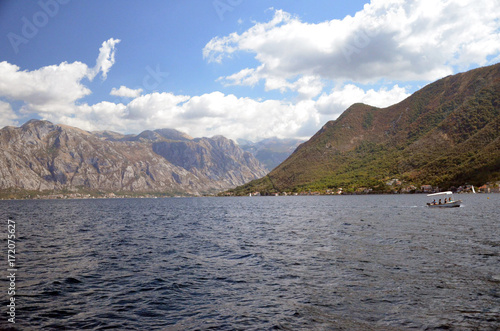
(240, 68)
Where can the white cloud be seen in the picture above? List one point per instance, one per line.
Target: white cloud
(228, 115)
(155, 108)
(388, 39)
(307, 86)
(105, 60)
(55, 88)
(7, 115)
(126, 92)
(49, 89)
(247, 77)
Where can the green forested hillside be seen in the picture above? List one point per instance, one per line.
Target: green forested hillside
(446, 134)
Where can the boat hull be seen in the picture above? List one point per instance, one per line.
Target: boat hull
(446, 205)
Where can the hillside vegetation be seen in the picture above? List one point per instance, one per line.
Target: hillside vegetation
(446, 134)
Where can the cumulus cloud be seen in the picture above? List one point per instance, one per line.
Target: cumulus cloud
(216, 113)
(126, 92)
(388, 39)
(55, 88)
(155, 108)
(49, 89)
(307, 86)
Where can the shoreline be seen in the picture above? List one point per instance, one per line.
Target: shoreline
(150, 196)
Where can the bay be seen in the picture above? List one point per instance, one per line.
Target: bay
(378, 262)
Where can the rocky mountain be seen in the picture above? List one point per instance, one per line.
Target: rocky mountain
(446, 134)
(271, 152)
(40, 156)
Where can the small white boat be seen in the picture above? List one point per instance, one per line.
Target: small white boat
(447, 203)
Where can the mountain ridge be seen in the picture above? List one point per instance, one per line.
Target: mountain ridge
(40, 156)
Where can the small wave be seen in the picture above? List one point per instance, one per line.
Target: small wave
(71, 280)
(59, 314)
(51, 293)
(147, 313)
(240, 257)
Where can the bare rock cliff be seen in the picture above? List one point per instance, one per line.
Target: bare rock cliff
(41, 156)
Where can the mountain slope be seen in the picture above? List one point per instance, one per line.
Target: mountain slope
(41, 156)
(444, 134)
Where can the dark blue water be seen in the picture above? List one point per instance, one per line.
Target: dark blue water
(291, 263)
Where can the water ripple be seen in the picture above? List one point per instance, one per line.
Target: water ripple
(287, 263)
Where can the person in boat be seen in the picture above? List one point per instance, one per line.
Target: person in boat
(440, 202)
(445, 200)
(434, 202)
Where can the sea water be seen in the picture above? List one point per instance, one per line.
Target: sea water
(378, 262)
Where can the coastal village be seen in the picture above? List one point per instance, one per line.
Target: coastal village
(395, 187)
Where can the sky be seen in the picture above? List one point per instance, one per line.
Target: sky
(244, 69)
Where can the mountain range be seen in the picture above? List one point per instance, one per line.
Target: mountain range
(41, 157)
(446, 134)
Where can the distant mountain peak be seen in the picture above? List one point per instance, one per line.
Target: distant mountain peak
(173, 134)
